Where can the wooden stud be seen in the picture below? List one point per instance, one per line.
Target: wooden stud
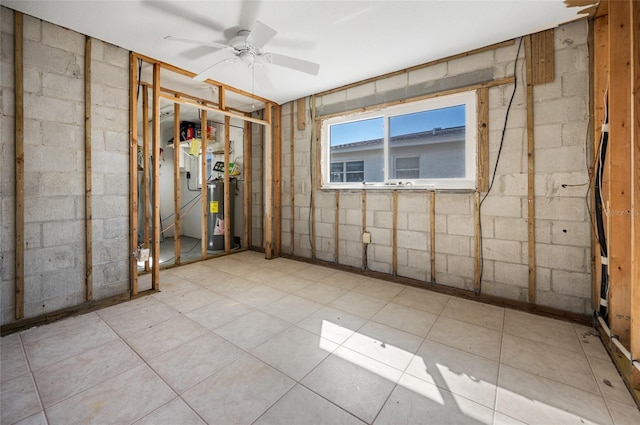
(277, 180)
(483, 138)
(394, 237)
(542, 56)
(177, 150)
(205, 107)
(477, 284)
(247, 185)
(336, 228)
(222, 98)
(146, 173)
(204, 202)
(133, 174)
(618, 156)
(432, 234)
(268, 191)
(365, 259)
(292, 178)
(530, 172)
(19, 160)
(314, 171)
(88, 215)
(155, 270)
(302, 113)
(227, 189)
(635, 192)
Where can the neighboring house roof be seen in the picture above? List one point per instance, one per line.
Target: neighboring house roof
(437, 135)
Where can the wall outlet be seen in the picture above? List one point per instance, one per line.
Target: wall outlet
(366, 237)
(188, 175)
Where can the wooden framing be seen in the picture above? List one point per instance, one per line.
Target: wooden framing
(336, 230)
(204, 204)
(292, 179)
(483, 139)
(365, 259)
(133, 175)
(146, 170)
(432, 235)
(302, 114)
(227, 189)
(542, 55)
(88, 258)
(19, 160)
(618, 155)
(531, 213)
(155, 269)
(247, 185)
(268, 186)
(635, 191)
(177, 198)
(394, 235)
(277, 180)
(314, 169)
(477, 283)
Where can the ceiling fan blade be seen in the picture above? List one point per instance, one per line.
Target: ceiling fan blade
(199, 42)
(205, 73)
(293, 63)
(260, 35)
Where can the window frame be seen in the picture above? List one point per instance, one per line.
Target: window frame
(468, 182)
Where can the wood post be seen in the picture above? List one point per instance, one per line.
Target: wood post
(394, 235)
(277, 180)
(292, 179)
(133, 174)
(146, 173)
(530, 172)
(227, 189)
(268, 186)
(204, 204)
(155, 278)
(19, 160)
(177, 150)
(336, 230)
(87, 172)
(432, 234)
(365, 259)
(247, 185)
(483, 138)
(477, 283)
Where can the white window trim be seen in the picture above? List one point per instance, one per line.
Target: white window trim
(468, 98)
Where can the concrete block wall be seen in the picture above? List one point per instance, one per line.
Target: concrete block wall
(563, 232)
(55, 242)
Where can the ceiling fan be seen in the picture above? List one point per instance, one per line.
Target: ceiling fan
(247, 47)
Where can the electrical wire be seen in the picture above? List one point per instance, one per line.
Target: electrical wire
(495, 169)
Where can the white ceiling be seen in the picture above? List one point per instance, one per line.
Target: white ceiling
(351, 40)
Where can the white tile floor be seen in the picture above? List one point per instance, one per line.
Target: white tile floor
(242, 340)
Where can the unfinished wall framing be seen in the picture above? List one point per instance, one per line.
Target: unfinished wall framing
(65, 117)
(435, 237)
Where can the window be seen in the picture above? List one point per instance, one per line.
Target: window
(429, 143)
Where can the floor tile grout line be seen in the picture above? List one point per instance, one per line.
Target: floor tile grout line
(33, 380)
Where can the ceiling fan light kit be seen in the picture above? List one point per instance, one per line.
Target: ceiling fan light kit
(247, 47)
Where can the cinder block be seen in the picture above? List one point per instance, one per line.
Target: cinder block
(381, 254)
(109, 75)
(548, 136)
(453, 244)
(380, 236)
(67, 136)
(574, 133)
(353, 249)
(515, 229)
(116, 228)
(110, 206)
(115, 55)
(392, 83)
(402, 221)
(453, 281)
(505, 291)
(401, 257)
(327, 215)
(571, 233)
(542, 93)
(511, 274)
(33, 81)
(62, 38)
(354, 217)
(418, 222)
(383, 219)
(461, 266)
(116, 141)
(502, 206)
(6, 21)
(39, 209)
(412, 240)
(560, 208)
(108, 118)
(107, 162)
(377, 266)
(413, 202)
(52, 59)
(49, 109)
(379, 201)
(56, 233)
(571, 34)
(561, 257)
(350, 233)
(543, 231)
(32, 235)
(501, 250)
(543, 279)
(333, 98)
(571, 283)
(325, 230)
(448, 203)
(111, 290)
(413, 273)
(428, 73)
(361, 91)
(564, 159)
(113, 184)
(418, 259)
(470, 63)
(563, 302)
(48, 260)
(61, 283)
(460, 225)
